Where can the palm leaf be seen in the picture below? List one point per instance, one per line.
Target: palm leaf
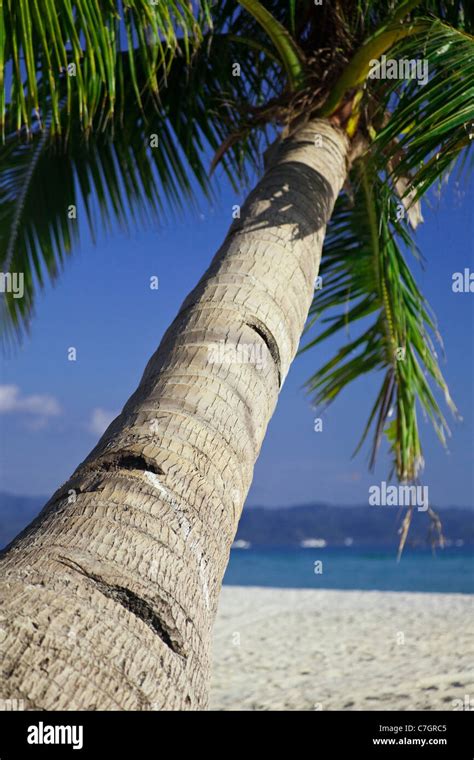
(290, 54)
(422, 132)
(114, 172)
(50, 49)
(430, 126)
(366, 277)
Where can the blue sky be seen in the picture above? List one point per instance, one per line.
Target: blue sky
(52, 410)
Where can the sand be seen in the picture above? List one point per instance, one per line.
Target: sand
(285, 649)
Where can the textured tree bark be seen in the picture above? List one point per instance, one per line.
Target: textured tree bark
(109, 596)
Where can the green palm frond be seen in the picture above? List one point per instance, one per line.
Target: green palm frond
(290, 54)
(142, 165)
(459, 14)
(418, 133)
(430, 125)
(56, 49)
(368, 283)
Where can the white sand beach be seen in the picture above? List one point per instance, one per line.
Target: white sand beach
(285, 649)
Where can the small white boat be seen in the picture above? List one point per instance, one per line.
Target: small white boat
(241, 544)
(313, 543)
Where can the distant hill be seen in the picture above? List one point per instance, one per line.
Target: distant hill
(16, 512)
(289, 526)
(364, 525)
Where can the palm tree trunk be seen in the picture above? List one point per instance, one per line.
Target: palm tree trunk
(109, 596)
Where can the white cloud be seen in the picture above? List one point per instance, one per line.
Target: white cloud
(37, 405)
(100, 420)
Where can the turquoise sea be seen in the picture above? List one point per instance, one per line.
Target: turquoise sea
(448, 571)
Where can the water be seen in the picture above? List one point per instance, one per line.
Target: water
(449, 571)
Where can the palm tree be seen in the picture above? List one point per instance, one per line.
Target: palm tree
(109, 595)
